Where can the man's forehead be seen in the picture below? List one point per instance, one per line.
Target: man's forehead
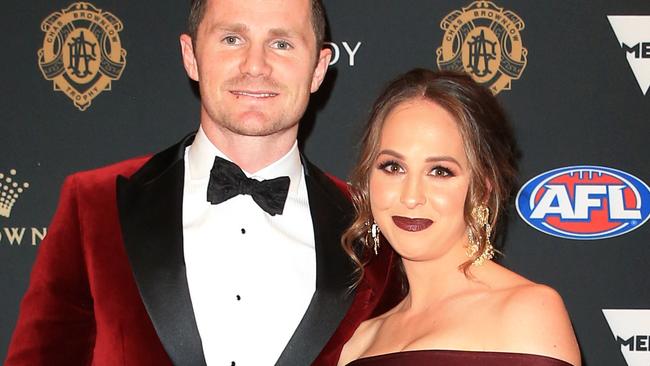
(277, 17)
(296, 9)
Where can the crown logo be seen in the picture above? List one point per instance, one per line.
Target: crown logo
(10, 190)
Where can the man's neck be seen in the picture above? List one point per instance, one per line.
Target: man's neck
(251, 153)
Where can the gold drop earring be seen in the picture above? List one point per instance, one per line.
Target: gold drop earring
(481, 214)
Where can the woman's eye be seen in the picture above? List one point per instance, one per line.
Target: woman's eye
(391, 167)
(440, 172)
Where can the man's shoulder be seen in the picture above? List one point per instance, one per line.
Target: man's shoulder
(145, 166)
(109, 173)
(342, 185)
(326, 178)
(330, 188)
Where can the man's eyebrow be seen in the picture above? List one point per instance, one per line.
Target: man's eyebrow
(230, 27)
(243, 28)
(283, 32)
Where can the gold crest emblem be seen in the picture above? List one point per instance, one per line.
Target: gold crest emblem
(82, 52)
(483, 41)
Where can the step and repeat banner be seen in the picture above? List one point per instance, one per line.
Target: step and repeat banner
(85, 84)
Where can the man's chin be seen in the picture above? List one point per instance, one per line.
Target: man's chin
(255, 124)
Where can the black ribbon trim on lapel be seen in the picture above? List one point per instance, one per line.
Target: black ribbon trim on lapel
(150, 206)
(331, 214)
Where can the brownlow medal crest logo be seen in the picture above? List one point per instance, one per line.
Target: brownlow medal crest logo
(82, 52)
(484, 41)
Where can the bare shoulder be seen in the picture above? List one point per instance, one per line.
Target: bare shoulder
(535, 321)
(360, 341)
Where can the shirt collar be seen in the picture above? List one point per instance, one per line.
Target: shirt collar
(202, 152)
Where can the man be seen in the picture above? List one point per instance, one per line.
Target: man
(187, 258)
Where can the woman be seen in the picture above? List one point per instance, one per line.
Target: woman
(436, 169)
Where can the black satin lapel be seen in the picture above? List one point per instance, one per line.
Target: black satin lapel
(150, 207)
(331, 214)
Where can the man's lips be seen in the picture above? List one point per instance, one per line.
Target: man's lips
(411, 224)
(253, 94)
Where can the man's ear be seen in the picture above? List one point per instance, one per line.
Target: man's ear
(189, 60)
(323, 63)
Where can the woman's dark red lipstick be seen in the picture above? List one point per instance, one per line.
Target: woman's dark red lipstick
(411, 224)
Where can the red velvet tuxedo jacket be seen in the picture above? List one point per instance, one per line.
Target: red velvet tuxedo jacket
(109, 287)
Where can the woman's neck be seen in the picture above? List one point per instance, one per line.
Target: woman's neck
(432, 282)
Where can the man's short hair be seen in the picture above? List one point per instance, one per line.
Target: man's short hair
(318, 22)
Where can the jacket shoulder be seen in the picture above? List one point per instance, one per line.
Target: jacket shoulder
(105, 176)
(143, 167)
(335, 189)
(342, 185)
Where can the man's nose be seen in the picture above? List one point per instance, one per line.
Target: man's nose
(255, 62)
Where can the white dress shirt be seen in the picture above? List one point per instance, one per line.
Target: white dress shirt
(251, 275)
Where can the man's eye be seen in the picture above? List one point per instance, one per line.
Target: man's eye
(231, 40)
(282, 45)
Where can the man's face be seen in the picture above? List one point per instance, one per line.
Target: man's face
(256, 64)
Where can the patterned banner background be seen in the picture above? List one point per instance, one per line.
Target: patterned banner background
(87, 84)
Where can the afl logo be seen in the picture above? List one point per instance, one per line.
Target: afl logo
(584, 202)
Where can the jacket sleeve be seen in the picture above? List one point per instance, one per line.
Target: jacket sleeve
(56, 322)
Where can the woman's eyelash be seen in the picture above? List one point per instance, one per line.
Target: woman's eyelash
(444, 172)
(394, 167)
(390, 166)
(386, 163)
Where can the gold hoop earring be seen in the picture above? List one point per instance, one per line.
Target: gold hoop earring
(373, 232)
(481, 214)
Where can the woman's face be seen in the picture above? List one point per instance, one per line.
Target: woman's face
(419, 182)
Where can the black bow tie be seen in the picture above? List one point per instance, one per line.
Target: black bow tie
(227, 180)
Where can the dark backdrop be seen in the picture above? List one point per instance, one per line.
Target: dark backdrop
(577, 102)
